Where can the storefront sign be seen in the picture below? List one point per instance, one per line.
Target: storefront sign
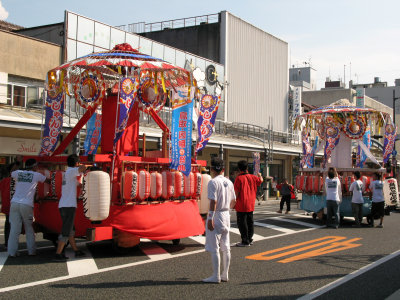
(19, 146)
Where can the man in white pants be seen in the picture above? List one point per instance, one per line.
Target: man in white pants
(21, 210)
(221, 194)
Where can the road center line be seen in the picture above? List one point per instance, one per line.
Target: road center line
(352, 275)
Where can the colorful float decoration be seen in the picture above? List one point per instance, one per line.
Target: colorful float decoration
(125, 192)
(339, 130)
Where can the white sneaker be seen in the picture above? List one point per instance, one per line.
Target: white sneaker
(224, 279)
(212, 279)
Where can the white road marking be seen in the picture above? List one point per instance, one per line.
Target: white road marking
(80, 266)
(302, 216)
(155, 252)
(3, 258)
(199, 238)
(348, 277)
(305, 224)
(274, 227)
(256, 237)
(394, 296)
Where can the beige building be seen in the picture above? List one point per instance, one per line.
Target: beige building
(24, 62)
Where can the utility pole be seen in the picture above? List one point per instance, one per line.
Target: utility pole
(394, 153)
(344, 76)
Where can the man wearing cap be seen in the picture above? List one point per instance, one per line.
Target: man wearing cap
(222, 197)
(21, 210)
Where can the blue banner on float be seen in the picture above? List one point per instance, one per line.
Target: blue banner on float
(93, 134)
(208, 113)
(181, 131)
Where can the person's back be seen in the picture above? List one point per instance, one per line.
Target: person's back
(357, 199)
(332, 186)
(69, 187)
(333, 197)
(246, 191)
(378, 200)
(222, 190)
(21, 210)
(356, 188)
(376, 187)
(25, 186)
(67, 207)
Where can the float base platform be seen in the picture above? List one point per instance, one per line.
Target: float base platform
(315, 203)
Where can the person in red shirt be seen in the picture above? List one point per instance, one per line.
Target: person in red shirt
(246, 189)
(5, 186)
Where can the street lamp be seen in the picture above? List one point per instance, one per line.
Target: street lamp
(394, 146)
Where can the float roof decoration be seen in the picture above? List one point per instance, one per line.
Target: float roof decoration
(341, 112)
(338, 109)
(344, 108)
(124, 60)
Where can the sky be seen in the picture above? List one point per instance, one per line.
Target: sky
(351, 39)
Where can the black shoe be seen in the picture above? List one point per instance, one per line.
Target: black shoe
(242, 245)
(60, 257)
(79, 253)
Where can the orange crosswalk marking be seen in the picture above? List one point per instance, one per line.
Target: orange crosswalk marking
(333, 244)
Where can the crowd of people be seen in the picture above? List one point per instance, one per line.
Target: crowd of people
(333, 193)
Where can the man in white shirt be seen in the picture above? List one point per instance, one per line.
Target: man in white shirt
(21, 210)
(357, 200)
(222, 197)
(378, 200)
(67, 207)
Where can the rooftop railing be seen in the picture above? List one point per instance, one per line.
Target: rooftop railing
(142, 27)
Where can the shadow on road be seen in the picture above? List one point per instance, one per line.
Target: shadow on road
(180, 281)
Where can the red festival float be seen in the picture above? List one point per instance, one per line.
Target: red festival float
(343, 133)
(125, 196)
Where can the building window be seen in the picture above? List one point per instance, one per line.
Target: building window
(24, 96)
(19, 96)
(9, 93)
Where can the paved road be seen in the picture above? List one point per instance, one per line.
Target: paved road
(293, 257)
